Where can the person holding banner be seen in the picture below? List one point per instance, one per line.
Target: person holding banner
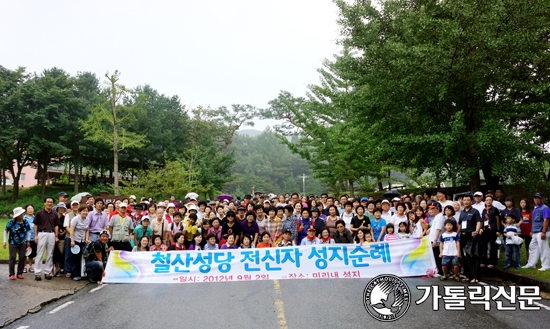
(310, 238)
(97, 258)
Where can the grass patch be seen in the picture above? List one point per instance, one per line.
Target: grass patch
(527, 271)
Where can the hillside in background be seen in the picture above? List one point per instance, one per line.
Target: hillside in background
(262, 162)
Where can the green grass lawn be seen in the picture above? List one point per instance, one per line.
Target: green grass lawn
(527, 271)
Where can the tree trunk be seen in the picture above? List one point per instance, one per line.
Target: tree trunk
(15, 182)
(475, 182)
(3, 181)
(76, 177)
(389, 181)
(380, 187)
(491, 180)
(351, 189)
(45, 161)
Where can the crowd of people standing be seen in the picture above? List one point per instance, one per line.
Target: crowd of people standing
(465, 234)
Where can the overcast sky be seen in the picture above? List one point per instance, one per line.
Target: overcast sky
(216, 52)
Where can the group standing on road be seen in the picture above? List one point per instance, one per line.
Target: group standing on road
(465, 234)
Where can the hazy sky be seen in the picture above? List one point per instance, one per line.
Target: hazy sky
(208, 52)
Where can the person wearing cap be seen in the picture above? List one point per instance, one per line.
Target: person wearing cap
(80, 236)
(19, 233)
(539, 229)
(436, 226)
(310, 238)
(62, 198)
(479, 203)
(120, 227)
(99, 220)
(287, 240)
(442, 198)
(469, 226)
(132, 199)
(394, 203)
(143, 229)
(169, 214)
(45, 235)
(240, 215)
(97, 257)
(386, 213)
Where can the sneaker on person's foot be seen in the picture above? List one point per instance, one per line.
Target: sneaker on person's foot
(68, 275)
(527, 266)
(506, 267)
(542, 269)
(517, 267)
(481, 265)
(77, 278)
(491, 266)
(437, 275)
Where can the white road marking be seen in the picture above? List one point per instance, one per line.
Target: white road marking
(96, 289)
(22, 327)
(60, 307)
(536, 303)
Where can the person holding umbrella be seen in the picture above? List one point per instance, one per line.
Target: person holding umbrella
(19, 235)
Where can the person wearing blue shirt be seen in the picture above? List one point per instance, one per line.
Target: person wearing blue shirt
(19, 233)
(378, 225)
(539, 245)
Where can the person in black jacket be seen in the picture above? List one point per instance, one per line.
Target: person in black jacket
(342, 234)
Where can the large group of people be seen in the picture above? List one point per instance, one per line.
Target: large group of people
(465, 234)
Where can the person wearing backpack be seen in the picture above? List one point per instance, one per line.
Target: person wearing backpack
(96, 256)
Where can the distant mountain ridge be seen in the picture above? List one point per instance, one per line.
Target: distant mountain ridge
(249, 132)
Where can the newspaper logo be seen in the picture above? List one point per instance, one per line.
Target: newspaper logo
(387, 298)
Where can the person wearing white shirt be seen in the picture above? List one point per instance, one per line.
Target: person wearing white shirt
(433, 233)
(442, 198)
(399, 215)
(386, 213)
(347, 215)
(479, 205)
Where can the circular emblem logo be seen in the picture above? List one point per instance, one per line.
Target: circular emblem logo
(387, 298)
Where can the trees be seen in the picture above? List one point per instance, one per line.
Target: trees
(107, 121)
(446, 84)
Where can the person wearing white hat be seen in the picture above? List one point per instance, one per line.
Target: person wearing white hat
(19, 235)
(394, 201)
(132, 199)
(479, 204)
(120, 227)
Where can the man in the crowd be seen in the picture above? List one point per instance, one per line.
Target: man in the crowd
(62, 197)
(343, 200)
(347, 215)
(469, 225)
(324, 198)
(427, 196)
(45, 236)
(97, 258)
(291, 223)
(99, 220)
(435, 231)
(442, 198)
(539, 229)
(89, 200)
(295, 197)
(247, 199)
(499, 195)
(496, 204)
(479, 204)
(120, 227)
(386, 213)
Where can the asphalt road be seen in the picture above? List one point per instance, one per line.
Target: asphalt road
(323, 303)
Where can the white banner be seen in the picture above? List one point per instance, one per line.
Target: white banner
(406, 257)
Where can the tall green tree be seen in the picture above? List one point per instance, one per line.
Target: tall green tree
(445, 82)
(107, 121)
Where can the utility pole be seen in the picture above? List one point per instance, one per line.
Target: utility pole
(304, 182)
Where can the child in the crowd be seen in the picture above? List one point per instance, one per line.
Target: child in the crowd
(449, 250)
(390, 233)
(211, 242)
(513, 242)
(403, 231)
(368, 237)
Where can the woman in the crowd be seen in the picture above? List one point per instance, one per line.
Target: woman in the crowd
(370, 210)
(170, 211)
(250, 207)
(330, 221)
(80, 235)
(109, 208)
(29, 218)
(230, 244)
(457, 208)
(298, 209)
(59, 249)
(418, 227)
(211, 242)
(157, 244)
(491, 225)
(196, 243)
(231, 227)
(360, 221)
(143, 244)
(17, 233)
(449, 213)
(247, 242)
(250, 227)
(215, 228)
(342, 234)
(360, 237)
(325, 236)
(178, 243)
(261, 218)
(266, 241)
(281, 201)
(177, 225)
(378, 225)
(305, 223)
(142, 230)
(525, 226)
(399, 215)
